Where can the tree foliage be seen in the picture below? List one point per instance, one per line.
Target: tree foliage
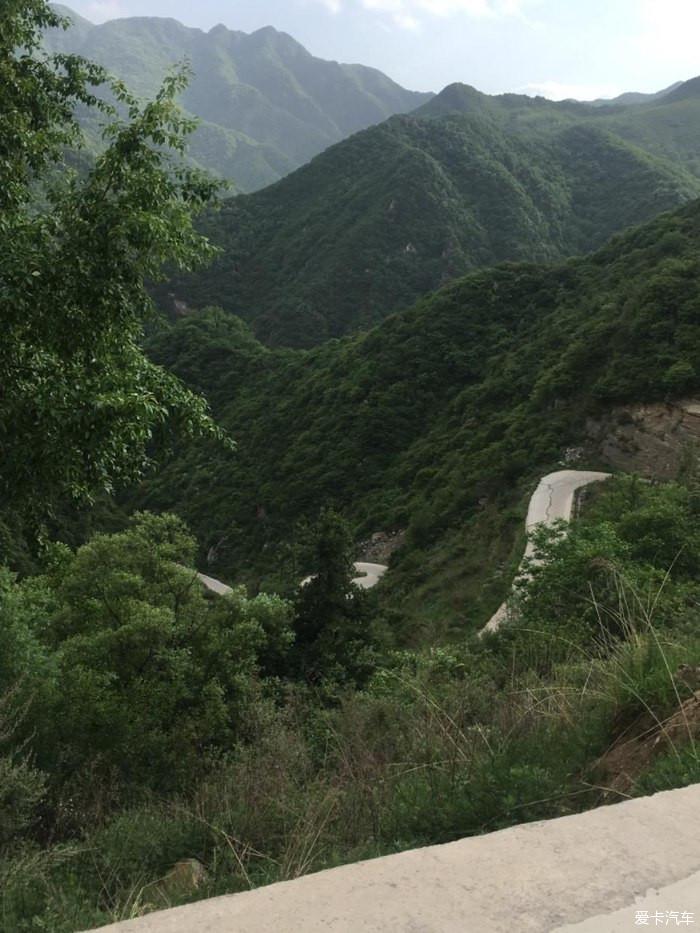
(130, 671)
(162, 739)
(79, 402)
(333, 621)
(632, 556)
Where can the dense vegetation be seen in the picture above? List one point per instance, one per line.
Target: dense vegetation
(143, 721)
(265, 104)
(151, 725)
(435, 419)
(663, 124)
(467, 181)
(80, 402)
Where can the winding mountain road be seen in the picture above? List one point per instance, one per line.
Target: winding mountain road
(552, 500)
(214, 585)
(593, 872)
(368, 575)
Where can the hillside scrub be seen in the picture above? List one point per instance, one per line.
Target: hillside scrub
(395, 212)
(440, 420)
(291, 775)
(143, 721)
(131, 675)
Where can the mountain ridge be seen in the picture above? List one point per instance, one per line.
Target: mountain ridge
(635, 97)
(267, 104)
(397, 210)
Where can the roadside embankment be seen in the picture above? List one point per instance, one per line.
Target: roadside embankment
(641, 855)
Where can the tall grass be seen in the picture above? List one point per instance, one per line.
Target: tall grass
(440, 745)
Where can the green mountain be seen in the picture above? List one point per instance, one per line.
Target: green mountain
(634, 97)
(438, 418)
(466, 181)
(266, 105)
(667, 126)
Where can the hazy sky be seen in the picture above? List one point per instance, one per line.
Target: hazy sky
(559, 48)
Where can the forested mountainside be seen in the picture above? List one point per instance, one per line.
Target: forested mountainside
(666, 124)
(266, 105)
(440, 410)
(634, 97)
(467, 181)
(160, 744)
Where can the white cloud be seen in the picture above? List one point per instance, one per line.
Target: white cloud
(554, 90)
(476, 8)
(99, 11)
(408, 13)
(407, 21)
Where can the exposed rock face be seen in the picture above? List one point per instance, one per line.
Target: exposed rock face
(381, 546)
(655, 441)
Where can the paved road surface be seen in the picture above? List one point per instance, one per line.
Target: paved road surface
(215, 586)
(368, 577)
(597, 869)
(552, 500)
(368, 574)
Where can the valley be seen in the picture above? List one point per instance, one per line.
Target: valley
(284, 585)
(439, 415)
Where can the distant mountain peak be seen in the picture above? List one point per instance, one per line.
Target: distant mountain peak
(686, 90)
(466, 99)
(456, 98)
(266, 104)
(398, 210)
(268, 31)
(631, 98)
(76, 19)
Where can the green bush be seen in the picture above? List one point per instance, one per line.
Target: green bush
(147, 677)
(21, 790)
(677, 769)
